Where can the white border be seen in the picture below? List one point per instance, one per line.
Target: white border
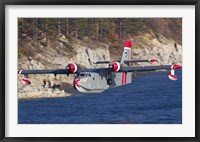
(187, 129)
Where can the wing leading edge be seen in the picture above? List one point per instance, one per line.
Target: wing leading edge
(171, 76)
(70, 69)
(50, 71)
(151, 68)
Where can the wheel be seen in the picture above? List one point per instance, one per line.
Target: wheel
(109, 81)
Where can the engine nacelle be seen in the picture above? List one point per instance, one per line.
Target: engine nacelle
(115, 66)
(71, 68)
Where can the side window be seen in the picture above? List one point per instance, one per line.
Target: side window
(82, 74)
(88, 75)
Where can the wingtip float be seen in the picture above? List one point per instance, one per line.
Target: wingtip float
(172, 76)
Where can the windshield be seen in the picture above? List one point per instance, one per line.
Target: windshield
(84, 74)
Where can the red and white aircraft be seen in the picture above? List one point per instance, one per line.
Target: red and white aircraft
(96, 80)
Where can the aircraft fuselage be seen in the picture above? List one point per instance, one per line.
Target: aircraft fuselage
(100, 80)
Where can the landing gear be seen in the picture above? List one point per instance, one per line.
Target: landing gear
(109, 81)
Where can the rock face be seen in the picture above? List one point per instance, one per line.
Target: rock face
(37, 90)
(86, 56)
(167, 53)
(42, 94)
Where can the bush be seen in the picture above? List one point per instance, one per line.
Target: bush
(69, 47)
(19, 53)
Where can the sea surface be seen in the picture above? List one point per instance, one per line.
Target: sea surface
(151, 99)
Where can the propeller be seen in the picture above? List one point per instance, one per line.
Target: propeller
(114, 66)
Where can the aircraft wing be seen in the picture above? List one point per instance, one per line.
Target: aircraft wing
(171, 76)
(146, 68)
(70, 69)
(150, 68)
(50, 71)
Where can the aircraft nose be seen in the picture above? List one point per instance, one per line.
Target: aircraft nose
(76, 82)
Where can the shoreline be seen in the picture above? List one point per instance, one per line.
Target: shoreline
(48, 93)
(33, 98)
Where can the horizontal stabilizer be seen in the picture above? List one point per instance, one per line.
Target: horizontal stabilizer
(145, 60)
(126, 61)
(102, 62)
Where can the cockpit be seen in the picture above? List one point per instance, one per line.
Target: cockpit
(84, 74)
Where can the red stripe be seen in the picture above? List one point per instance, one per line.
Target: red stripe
(124, 78)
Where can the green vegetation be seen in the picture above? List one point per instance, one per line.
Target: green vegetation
(19, 52)
(41, 33)
(68, 48)
(96, 28)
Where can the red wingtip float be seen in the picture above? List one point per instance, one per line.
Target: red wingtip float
(128, 44)
(173, 77)
(176, 66)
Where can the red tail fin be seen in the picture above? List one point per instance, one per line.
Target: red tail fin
(128, 44)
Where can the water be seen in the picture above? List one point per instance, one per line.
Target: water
(151, 99)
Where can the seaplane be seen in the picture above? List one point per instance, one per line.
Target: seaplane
(97, 80)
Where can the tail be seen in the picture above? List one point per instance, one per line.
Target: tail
(127, 52)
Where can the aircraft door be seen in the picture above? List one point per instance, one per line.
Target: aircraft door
(95, 81)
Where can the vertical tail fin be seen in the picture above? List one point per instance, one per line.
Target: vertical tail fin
(127, 52)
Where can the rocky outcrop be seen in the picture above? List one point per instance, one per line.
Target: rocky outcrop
(49, 93)
(86, 56)
(168, 52)
(37, 89)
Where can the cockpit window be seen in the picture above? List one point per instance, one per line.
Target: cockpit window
(84, 74)
(81, 74)
(88, 75)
